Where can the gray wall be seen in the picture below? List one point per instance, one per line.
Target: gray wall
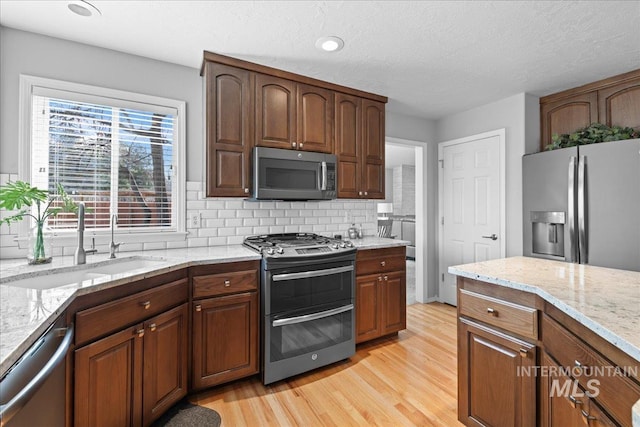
(519, 116)
(28, 53)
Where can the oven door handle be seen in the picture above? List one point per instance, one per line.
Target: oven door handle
(312, 316)
(313, 273)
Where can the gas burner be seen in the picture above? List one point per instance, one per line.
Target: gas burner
(296, 245)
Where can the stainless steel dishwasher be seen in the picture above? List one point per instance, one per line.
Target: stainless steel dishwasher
(32, 393)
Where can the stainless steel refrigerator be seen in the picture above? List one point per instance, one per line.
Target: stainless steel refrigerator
(582, 204)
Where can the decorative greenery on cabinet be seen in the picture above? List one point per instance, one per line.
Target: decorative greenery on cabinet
(592, 134)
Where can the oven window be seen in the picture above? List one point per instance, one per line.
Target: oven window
(301, 293)
(293, 340)
(289, 175)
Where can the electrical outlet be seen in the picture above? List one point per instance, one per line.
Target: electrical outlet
(195, 220)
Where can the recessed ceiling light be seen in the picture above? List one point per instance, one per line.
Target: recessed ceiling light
(83, 8)
(330, 44)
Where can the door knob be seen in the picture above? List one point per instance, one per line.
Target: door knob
(492, 237)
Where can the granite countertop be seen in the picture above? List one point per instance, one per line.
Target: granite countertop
(605, 300)
(25, 314)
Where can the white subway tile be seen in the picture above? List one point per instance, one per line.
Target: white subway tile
(337, 220)
(283, 221)
(243, 231)
(217, 241)
(244, 214)
(154, 246)
(276, 213)
(311, 220)
(250, 222)
(267, 221)
(261, 213)
(292, 212)
(261, 230)
(306, 228)
(223, 213)
(195, 242)
(337, 206)
(208, 213)
(235, 240)
(226, 231)
(292, 229)
(176, 244)
(312, 205)
(233, 204)
(276, 229)
(215, 204)
(213, 222)
(297, 221)
(324, 220)
(297, 205)
(208, 232)
(193, 195)
(233, 222)
(267, 205)
(283, 205)
(194, 186)
(319, 228)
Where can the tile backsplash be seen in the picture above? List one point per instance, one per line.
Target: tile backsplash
(227, 221)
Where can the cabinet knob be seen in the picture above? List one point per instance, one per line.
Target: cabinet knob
(246, 191)
(359, 193)
(294, 144)
(386, 278)
(301, 144)
(198, 307)
(580, 367)
(523, 352)
(492, 312)
(366, 194)
(146, 304)
(140, 333)
(587, 417)
(152, 327)
(227, 283)
(379, 278)
(383, 263)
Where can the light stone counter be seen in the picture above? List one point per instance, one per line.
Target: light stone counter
(25, 314)
(605, 300)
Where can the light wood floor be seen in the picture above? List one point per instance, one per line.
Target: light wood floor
(401, 381)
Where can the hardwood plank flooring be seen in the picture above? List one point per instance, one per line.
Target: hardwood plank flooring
(406, 380)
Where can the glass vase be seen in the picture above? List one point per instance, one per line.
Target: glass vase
(39, 245)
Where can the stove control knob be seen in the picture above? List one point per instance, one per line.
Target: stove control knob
(334, 246)
(280, 250)
(343, 245)
(270, 251)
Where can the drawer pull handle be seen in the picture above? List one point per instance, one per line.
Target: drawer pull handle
(146, 304)
(579, 366)
(386, 277)
(227, 283)
(152, 327)
(524, 352)
(198, 307)
(140, 333)
(575, 402)
(586, 416)
(383, 263)
(492, 312)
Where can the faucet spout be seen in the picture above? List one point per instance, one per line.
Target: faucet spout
(113, 245)
(80, 256)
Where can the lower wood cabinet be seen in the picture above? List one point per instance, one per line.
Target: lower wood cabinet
(225, 323)
(491, 389)
(381, 294)
(131, 377)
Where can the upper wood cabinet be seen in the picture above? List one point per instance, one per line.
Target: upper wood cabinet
(614, 101)
(229, 121)
(250, 105)
(359, 137)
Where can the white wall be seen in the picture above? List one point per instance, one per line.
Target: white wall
(519, 115)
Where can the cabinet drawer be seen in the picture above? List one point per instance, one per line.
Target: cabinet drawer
(373, 261)
(617, 393)
(225, 283)
(503, 314)
(98, 321)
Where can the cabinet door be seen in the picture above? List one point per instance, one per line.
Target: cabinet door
(228, 122)
(315, 119)
(368, 307)
(348, 137)
(165, 362)
(275, 112)
(394, 302)
(372, 149)
(567, 115)
(225, 339)
(619, 105)
(558, 406)
(491, 389)
(108, 380)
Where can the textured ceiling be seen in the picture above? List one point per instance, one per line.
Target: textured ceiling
(431, 58)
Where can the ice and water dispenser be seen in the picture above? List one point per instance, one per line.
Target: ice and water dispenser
(547, 233)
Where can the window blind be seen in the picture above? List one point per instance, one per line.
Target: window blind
(116, 160)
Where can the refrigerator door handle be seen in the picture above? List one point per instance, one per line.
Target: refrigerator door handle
(573, 248)
(582, 214)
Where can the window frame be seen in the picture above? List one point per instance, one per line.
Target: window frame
(66, 237)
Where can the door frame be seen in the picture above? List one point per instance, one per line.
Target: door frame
(500, 133)
(422, 230)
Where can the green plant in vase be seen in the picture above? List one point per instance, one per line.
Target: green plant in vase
(21, 196)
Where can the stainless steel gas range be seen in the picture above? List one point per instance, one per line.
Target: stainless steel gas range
(307, 300)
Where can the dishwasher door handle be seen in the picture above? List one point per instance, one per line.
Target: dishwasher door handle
(16, 403)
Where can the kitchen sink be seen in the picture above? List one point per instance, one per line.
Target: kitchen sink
(84, 275)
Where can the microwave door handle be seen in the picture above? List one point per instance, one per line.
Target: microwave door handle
(323, 167)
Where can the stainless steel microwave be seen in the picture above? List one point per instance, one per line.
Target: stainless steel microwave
(293, 175)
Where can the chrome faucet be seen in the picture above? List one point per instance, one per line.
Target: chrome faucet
(113, 245)
(80, 257)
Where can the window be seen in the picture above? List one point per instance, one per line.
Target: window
(119, 153)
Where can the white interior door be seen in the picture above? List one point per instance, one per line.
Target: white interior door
(472, 216)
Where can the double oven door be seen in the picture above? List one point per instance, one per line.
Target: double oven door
(309, 316)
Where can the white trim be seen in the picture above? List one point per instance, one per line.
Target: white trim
(500, 133)
(422, 233)
(28, 84)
